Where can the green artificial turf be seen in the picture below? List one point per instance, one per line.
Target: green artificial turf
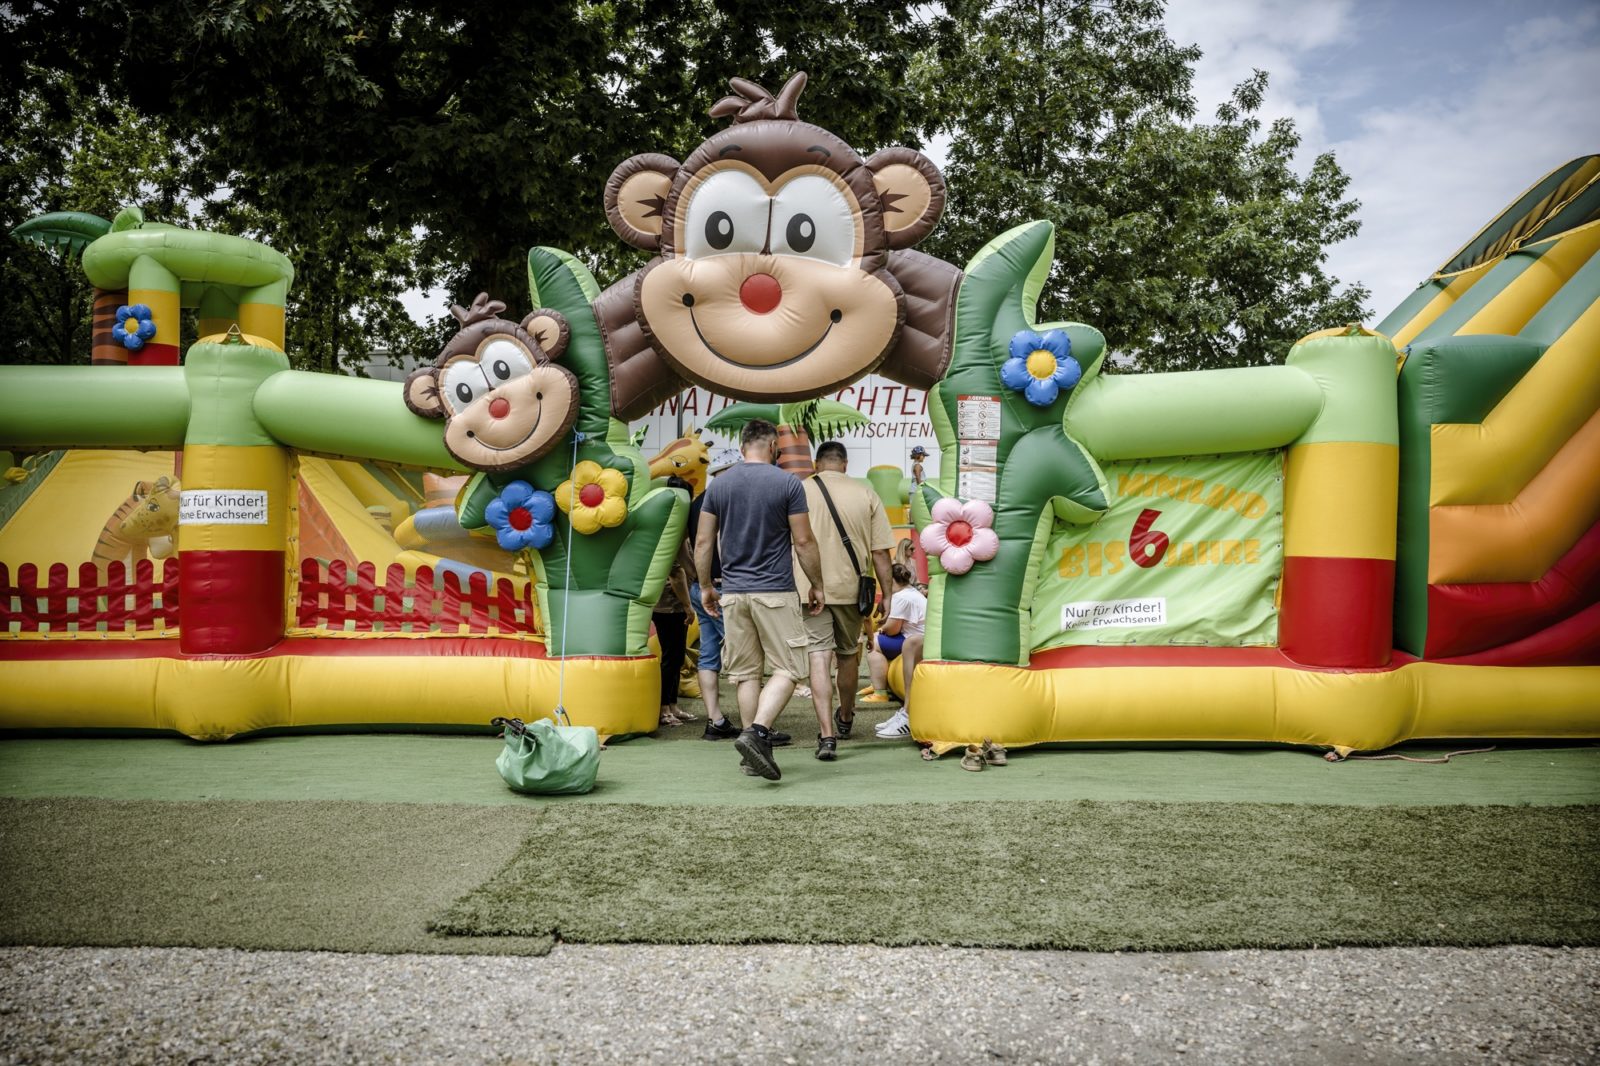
(313, 875)
(290, 876)
(1096, 876)
(677, 767)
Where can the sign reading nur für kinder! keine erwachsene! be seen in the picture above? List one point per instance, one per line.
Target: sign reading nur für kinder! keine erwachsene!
(223, 507)
(1190, 552)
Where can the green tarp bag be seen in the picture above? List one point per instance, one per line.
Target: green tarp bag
(547, 759)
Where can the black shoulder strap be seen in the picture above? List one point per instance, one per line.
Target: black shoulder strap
(838, 524)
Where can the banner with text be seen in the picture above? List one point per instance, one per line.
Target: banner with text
(1190, 552)
(898, 423)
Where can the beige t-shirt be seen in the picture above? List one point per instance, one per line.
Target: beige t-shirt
(862, 514)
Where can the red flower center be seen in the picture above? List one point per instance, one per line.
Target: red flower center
(958, 533)
(591, 495)
(520, 518)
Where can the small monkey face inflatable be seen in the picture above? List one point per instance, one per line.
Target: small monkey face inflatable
(773, 278)
(496, 385)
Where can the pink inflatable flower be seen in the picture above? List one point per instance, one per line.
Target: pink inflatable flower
(961, 534)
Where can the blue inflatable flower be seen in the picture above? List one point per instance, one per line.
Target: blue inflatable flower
(1040, 366)
(522, 517)
(135, 325)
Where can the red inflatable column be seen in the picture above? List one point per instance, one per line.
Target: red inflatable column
(1341, 485)
(233, 522)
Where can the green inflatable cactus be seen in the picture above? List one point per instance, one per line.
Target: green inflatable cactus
(998, 415)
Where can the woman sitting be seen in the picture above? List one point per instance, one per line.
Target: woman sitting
(901, 637)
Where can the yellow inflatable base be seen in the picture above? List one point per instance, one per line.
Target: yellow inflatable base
(214, 699)
(968, 703)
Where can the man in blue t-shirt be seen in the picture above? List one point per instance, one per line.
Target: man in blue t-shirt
(755, 517)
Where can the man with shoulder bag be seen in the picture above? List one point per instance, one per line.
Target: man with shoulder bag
(853, 536)
(755, 520)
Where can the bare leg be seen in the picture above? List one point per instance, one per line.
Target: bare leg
(708, 694)
(771, 699)
(878, 667)
(849, 678)
(822, 692)
(910, 656)
(749, 696)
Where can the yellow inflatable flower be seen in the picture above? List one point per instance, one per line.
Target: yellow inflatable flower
(596, 497)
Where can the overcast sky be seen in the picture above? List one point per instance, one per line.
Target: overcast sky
(1441, 112)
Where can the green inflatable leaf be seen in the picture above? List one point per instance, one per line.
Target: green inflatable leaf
(820, 418)
(731, 420)
(128, 218)
(559, 281)
(72, 231)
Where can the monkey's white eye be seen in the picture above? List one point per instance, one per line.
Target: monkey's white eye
(728, 214)
(812, 218)
(464, 382)
(503, 359)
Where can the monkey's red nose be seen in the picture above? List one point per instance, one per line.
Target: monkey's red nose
(499, 407)
(760, 293)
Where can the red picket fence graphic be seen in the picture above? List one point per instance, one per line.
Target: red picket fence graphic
(102, 601)
(335, 599)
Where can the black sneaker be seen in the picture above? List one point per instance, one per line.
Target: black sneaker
(725, 731)
(777, 739)
(827, 749)
(842, 728)
(756, 753)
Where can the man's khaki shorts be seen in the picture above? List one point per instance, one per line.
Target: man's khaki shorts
(836, 629)
(763, 627)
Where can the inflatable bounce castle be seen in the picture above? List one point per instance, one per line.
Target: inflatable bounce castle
(1394, 535)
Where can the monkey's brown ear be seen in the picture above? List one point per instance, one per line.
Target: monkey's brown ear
(550, 329)
(636, 198)
(911, 193)
(422, 393)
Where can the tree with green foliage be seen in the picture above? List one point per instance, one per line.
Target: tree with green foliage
(70, 150)
(345, 305)
(387, 147)
(1190, 245)
(84, 151)
(483, 128)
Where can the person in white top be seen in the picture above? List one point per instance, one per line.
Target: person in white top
(900, 635)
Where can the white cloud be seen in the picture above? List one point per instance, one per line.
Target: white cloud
(1430, 171)
(1434, 149)
(1278, 36)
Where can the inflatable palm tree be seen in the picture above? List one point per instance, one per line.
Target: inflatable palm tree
(798, 425)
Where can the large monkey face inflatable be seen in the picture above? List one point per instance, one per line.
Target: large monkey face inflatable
(503, 399)
(772, 280)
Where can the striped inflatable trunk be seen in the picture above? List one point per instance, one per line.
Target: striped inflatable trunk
(794, 451)
(104, 349)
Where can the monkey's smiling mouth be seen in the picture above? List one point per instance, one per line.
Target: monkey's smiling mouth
(479, 441)
(832, 321)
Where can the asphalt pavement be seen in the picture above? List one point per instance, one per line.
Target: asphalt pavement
(793, 1004)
